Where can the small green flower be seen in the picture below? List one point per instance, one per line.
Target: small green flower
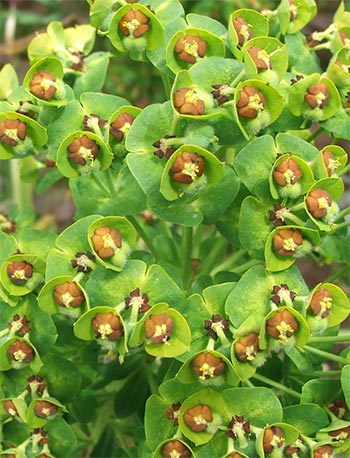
(19, 272)
(12, 131)
(197, 418)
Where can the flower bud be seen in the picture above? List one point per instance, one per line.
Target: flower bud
(20, 352)
(106, 241)
(19, 272)
(190, 48)
(83, 149)
(251, 102)
(107, 326)
(286, 241)
(187, 167)
(273, 438)
(317, 96)
(321, 303)
(68, 294)
(44, 409)
(20, 324)
(134, 23)
(12, 131)
(325, 451)
(173, 413)
(7, 225)
(318, 203)
(141, 301)
(330, 163)
(243, 30)
(338, 407)
(206, 366)
(247, 347)
(287, 172)
(260, 58)
(158, 328)
(238, 427)
(187, 101)
(198, 417)
(282, 325)
(175, 449)
(121, 126)
(43, 85)
(282, 295)
(222, 92)
(10, 408)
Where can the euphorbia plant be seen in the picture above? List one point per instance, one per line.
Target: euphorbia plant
(173, 317)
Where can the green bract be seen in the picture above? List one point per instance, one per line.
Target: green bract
(174, 229)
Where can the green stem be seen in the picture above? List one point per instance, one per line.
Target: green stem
(294, 219)
(238, 78)
(100, 184)
(339, 338)
(315, 134)
(297, 207)
(110, 183)
(143, 234)
(174, 122)
(344, 170)
(186, 254)
(344, 224)
(230, 262)
(211, 260)
(325, 354)
(279, 386)
(21, 192)
(315, 374)
(336, 275)
(166, 85)
(343, 213)
(244, 267)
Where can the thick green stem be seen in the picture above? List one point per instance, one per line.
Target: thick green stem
(100, 184)
(186, 254)
(344, 224)
(230, 262)
(277, 385)
(111, 187)
(244, 267)
(21, 192)
(325, 354)
(337, 274)
(143, 234)
(315, 134)
(294, 219)
(343, 213)
(210, 261)
(339, 338)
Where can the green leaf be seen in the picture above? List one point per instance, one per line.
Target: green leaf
(95, 74)
(214, 400)
(258, 405)
(320, 391)
(62, 376)
(253, 163)
(213, 171)
(307, 418)
(61, 436)
(301, 59)
(297, 146)
(130, 398)
(8, 81)
(338, 125)
(345, 385)
(215, 46)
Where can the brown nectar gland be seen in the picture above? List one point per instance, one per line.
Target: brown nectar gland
(134, 23)
(190, 48)
(207, 366)
(287, 241)
(251, 102)
(12, 131)
(158, 328)
(198, 417)
(287, 172)
(318, 203)
(20, 352)
(282, 325)
(243, 30)
(107, 326)
(187, 101)
(187, 167)
(43, 85)
(68, 294)
(317, 96)
(106, 241)
(19, 272)
(83, 149)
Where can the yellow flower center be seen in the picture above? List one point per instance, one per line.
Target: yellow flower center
(199, 420)
(255, 103)
(206, 370)
(191, 169)
(284, 329)
(289, 244)
(105, 330)
(244, 31)
(250, 353)
(19, 355)
(191, 96)
(289, 176)
(86, 153)
(66, 298)
(191, 49)
(264, 56)
(132, 25)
